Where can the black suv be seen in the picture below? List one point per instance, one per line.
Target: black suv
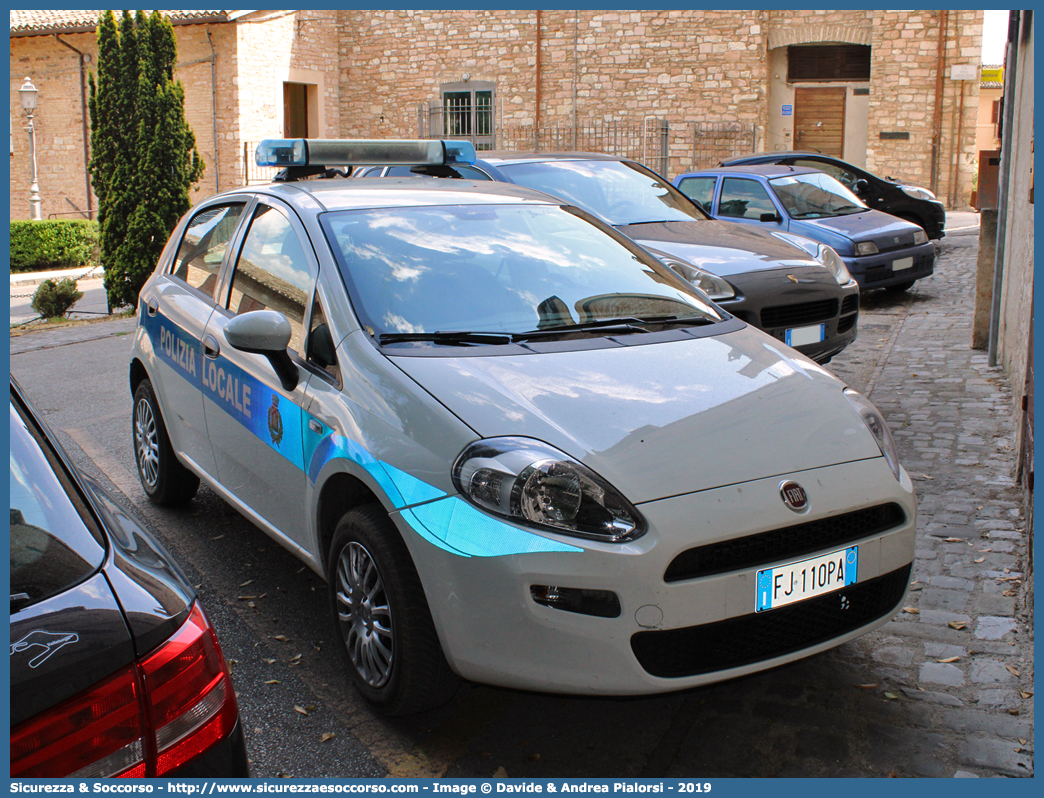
(912, 203)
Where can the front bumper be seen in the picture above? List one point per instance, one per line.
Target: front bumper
(492, 631)
(879, 271)
(782, 301)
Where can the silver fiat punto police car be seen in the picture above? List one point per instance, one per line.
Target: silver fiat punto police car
(519, 448)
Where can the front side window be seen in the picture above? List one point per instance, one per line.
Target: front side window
(813, 196)
(744, 199)
(620, 193)
(498, 269)
(700, 190)
(203, 246)
(273, 272)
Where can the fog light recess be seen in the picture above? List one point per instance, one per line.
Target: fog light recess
(601, 603)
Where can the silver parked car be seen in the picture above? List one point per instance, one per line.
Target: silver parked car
(519, 448)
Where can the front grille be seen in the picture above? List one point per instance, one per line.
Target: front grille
(850, 305)
(846, 323)
(800, 314)
(783, 544)
(763, 635)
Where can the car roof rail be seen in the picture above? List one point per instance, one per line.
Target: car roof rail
(307, 157)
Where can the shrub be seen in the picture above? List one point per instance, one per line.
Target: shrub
(39, 246)
(53, 299)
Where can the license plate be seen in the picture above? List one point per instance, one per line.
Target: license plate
(902, 263)
(785, 584)
(799, 336)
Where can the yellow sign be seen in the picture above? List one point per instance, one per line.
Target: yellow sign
(992, 75)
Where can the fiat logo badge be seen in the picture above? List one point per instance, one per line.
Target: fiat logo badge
(794, 496)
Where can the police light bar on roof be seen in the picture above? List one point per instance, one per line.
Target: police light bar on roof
(348, 152)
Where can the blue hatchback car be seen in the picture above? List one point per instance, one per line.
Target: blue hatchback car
(880, 250)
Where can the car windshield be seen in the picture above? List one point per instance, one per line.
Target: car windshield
(493, 271)
(813, 196)
(619, 192)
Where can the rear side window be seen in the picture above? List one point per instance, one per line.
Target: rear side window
(700, 190)
(744, 199)
(203, 246)
(54, 540)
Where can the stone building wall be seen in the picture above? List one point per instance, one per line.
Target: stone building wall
(683, 66)
(903, 99)
(55, 71)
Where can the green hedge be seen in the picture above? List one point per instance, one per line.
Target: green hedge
(40, 246)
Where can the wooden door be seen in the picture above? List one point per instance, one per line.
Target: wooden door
(819, 120)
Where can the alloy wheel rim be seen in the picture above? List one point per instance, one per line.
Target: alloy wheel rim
(146, 443)
(364, 615)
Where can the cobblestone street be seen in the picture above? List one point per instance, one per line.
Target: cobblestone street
(946, 688)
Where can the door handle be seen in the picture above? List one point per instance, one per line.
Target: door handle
(211, 348)
(152, 305)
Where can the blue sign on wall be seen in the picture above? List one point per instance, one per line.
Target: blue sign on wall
(788, 110)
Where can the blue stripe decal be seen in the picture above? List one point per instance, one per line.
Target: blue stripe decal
(180, 350)
(271, 417)
(462, 527)
(448, 522)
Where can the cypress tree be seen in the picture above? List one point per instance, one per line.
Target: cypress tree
(145, 159)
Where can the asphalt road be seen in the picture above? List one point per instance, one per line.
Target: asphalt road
(803, 719)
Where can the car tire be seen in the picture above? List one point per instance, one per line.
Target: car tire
(381, 615)
(898, 288)
(165, 480)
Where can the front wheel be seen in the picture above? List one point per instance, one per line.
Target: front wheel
(164, 478)
(377, 602)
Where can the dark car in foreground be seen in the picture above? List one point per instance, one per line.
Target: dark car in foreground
(879, 250)
(115, 670)
(912, 203)
(793, 288)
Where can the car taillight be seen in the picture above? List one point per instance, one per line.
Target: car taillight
(96, 733)
(145, 720)
(191, 702)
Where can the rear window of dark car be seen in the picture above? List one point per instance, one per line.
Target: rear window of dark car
(55, 542)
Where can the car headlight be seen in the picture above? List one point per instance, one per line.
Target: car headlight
(834, 264)
(866, 248)
(713, 286)
(532, 483)
(917, 192)
(920, 237)
(878, 428)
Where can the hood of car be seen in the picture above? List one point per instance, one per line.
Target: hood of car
(871, 225)
(722, 248)
(662, 419)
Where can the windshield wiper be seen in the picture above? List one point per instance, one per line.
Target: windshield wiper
(626, 324)
(448, 337)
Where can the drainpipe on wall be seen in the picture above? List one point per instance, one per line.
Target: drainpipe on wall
(213, 105)
(954, 192)
(83, 120)
(1010, 75)
(536, 115)
(576, 38)
(940, 66)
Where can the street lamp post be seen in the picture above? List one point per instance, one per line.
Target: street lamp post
(28, 93)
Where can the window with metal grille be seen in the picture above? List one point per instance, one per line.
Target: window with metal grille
(821, 62)
(467, 112)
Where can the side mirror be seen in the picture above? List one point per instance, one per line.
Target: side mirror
(861, 186)
(771, 217)
(265, 332)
